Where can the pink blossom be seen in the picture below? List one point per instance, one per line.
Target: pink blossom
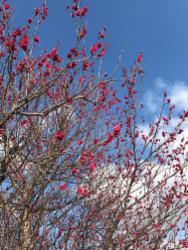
(79, 142)
(24, 122)
(71, 65)
(24, 42)
(36, 38)
(102, 53)
(139, 58)
(85, 65)
(37, 11)
(81, 12)
(2, 54)
(59, 135)
(95, 141)
(82, 32)
(184, 243)
(82, 191)
(74, 170)
(117, 129)
(63, 186)
(101, 34)
(7, 6)
(45, 9)
(30, 20)
(16, 32)
(91, 166)
(95, 47)
(2, 131)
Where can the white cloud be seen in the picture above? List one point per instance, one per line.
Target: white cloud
(160, 83)
(177, 91)
(151, 101)
(179, 95)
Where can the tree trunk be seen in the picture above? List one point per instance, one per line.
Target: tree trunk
(26, 236)
(107, 243)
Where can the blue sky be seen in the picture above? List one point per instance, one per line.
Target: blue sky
(159, 28)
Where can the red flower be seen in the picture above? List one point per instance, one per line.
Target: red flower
(82, 32)
(63, 186)
(139, 58)
(45, 9)
(59, 135)
(85, 65)
(81, 12)
(54, 56)
(109, 139)
(16, 32)
(102, 85)
(82, 191)
(117, 129)
(95, 141)
(95, 47)
(163, 134)
(2, 54)
(24, 42)
(184, 243)
(7, 6)
(30, 20)
(79, 142)
(36, 39)
(101, 34)
(71, 65)
(37, 11)
(2, 131)
(136, 134)
(102, 53)
(92, 166)
(157, 226)
(74, 51)
(72, 14)
(75, 7)
(74, 170)
(24, 122)
(9, 43)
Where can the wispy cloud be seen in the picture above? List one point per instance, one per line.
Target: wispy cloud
(151, 101)
(160, 83)
(177, 91)
(179, 95)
